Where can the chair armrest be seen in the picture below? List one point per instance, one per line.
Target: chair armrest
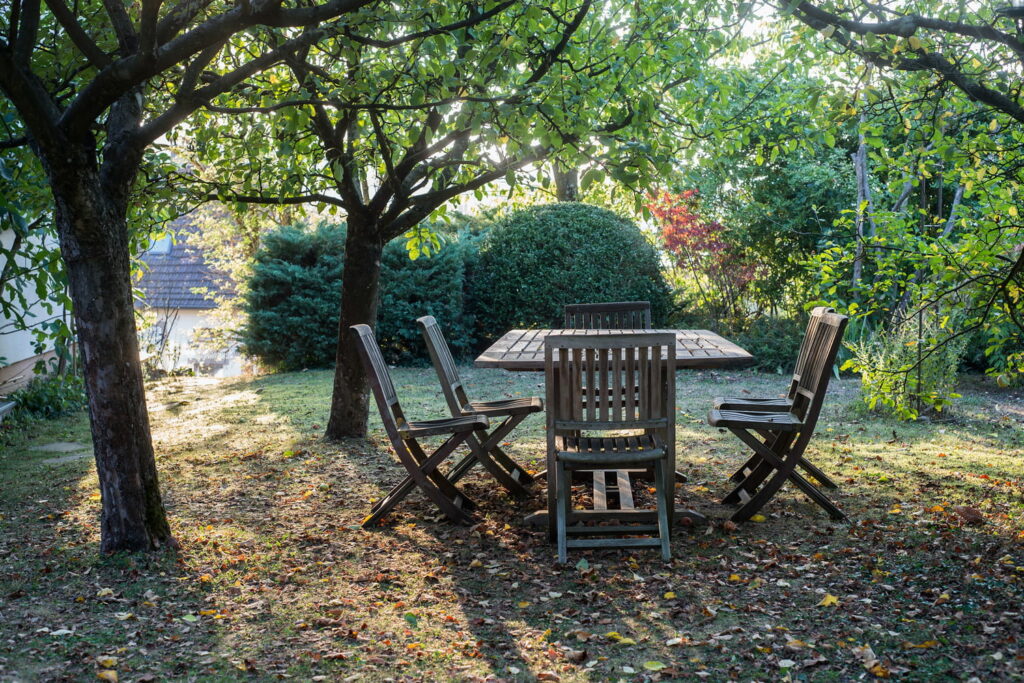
(449, 425)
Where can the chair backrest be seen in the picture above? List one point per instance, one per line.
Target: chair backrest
(444, 365)
(809, 336)
(380, 380)
(610, 382)
(822, 348)
(617, 315)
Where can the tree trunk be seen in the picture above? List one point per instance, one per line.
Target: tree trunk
(567, 183)
(359, 299)
(94, 244)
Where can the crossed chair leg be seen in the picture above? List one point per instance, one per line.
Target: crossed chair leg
(484, 448)
(436, 486)
(755, 460)
(776, 464)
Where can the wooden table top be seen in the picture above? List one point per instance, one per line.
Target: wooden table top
(524, 349)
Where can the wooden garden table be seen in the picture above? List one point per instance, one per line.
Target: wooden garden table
(524, 350)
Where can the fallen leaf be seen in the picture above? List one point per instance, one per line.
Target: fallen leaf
(107, 675)
(758, 518)
(107, 662)
(654, 665)
(670, 595)
(828, 601)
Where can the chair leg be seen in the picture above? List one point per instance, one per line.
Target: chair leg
(442, 482)
(664, 532)
(561, 510)
(762, 496)
(501, 475)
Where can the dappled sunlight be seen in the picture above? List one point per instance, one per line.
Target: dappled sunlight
(275, 575)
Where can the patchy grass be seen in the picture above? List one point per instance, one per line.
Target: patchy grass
(276, 579)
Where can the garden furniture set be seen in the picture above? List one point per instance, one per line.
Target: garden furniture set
(610, 406)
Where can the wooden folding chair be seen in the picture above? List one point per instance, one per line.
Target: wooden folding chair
(617, 315)
(423, 469)
(484, 446)
(779, 438)
(597, 388)
(785, 404)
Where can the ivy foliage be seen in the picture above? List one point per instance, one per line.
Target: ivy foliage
(535, 261)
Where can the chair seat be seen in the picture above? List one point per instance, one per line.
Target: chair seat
(448, 425)
(753, 405)
(508, 406)
(606, 451)
(779, 422)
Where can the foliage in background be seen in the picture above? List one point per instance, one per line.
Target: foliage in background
(705, 265)
(291, 298)
(904, 369)
(49, 396)
(535, 261)
(291, 302)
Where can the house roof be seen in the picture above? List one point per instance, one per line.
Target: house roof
(172, 278)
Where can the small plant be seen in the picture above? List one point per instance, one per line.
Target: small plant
(910, 368)
(50, 396)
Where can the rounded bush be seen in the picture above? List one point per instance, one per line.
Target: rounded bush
(535, 261)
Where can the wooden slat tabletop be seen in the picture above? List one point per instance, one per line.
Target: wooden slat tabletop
(524, 349)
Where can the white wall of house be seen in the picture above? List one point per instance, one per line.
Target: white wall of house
(181, 349)
(17, 345)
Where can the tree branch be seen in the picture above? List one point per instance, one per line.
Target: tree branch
(426, 33)
(77, 34)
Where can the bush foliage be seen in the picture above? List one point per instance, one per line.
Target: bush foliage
(293, 298)
(535, 261)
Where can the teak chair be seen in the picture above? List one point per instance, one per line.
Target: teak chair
(779, 438)
(423, 469)
(610, 383)
(617, 315)
(483, 444)
(785, 404)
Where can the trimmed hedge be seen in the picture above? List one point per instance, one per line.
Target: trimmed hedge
(535, 261)
(293, 299)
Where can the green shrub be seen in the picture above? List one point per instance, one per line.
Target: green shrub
(535, 261)
(49, 396)
(908, 370)
(427, 286)
(293, 298)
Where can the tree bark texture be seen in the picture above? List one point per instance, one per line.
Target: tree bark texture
(94, 243)
(567, 183)
(359, 299)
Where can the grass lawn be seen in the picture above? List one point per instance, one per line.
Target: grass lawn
(275, 579)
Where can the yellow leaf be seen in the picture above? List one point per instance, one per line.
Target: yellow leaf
(1012, 211)
(522, 604)
(670, 596)
(758, 518)
(107, 662)
(124, 616)
(879, 671)
(915, 42)
(627, 641)
(107, 675)
(735, 578)
(613, 635)
(993, 125)
(105, 593)
(476, 564)
(926, 644)
(828, 601)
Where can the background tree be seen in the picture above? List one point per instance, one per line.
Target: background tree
(388, 130)
(89, 88)
(950, 75)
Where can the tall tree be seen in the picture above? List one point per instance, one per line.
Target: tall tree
(89, 88)
(963, 62)
(389, 129)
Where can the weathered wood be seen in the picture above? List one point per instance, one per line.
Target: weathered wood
(484, 446)
(524, 349)
(583, 395)
(422, 469)
(617, 315)
(779, 438)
